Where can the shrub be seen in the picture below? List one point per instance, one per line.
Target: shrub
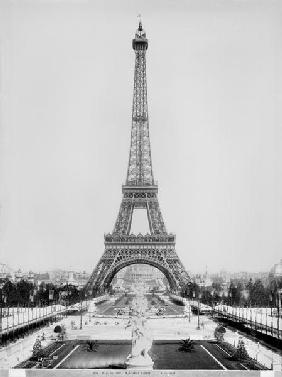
(58, 329)
(186, 345)
(241, 352)
(219, 333)
(91, 346)
(37, 349)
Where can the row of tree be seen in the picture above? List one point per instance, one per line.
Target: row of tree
(24, 293)
(252, 293)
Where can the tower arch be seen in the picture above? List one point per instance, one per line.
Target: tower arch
(119, 266)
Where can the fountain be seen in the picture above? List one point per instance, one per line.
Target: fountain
(141, 341)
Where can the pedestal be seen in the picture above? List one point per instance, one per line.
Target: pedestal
(140, 362)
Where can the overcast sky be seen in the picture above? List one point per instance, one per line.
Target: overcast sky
(214, 71)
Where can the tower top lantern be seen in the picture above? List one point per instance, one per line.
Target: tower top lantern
(140, 42)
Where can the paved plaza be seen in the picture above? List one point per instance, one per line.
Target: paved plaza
(113, 329)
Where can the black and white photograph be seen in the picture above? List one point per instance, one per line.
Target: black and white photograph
(140, 188)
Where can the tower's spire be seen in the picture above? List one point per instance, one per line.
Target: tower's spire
(140, 23)
(139, 171)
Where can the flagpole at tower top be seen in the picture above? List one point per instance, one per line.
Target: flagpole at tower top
(140, 22)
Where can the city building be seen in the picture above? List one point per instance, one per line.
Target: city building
(135, 274)
(5, 272)
(276, 271)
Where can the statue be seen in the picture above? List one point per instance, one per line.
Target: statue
(141, 341)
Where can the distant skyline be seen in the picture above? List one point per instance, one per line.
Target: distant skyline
(90, 271)
(214, 71)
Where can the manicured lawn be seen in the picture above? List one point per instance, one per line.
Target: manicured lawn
(110, 354)
(166, 356)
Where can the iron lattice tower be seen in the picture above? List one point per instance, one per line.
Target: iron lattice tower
(140, 191)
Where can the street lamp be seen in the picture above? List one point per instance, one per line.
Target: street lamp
(90, 304)
(51, 298)
(279, 294)
(67, 300)
(230, 296)
(1, 310)
(4, 299)
(270, 303)
(199, 296)
(245, 295)
(31, 298)
(220, 295)
(275, 299)
(80, 310)
(212, 295)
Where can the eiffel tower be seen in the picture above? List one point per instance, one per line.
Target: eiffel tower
(140, 191)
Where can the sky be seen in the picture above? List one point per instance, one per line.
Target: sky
(214, 71)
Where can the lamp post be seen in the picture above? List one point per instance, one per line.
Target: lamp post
(220, 295)
(230, 298)
(80, 310)
(279, 294)
(194, 296)
(246, 295)
(276, 301)
(18, 315)
(235, 300)
(189, 311)
(89, 296)
(212, 295)
(225, 301)
(51, 298)
(199, 296)
(271, 310)
(67, 300)
(266, 315)
(31, 298)
(188, 291)
(35, 300)
(28, 305)
(1, 310)
(270, 305)
(4, 298)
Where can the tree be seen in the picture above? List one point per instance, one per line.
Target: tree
(37, 349)
(237, 293)
(23, 292)
(9, 292)
(219, 333)
(272, 290)
(191, 289)
(217, 285)
(58, 329)
(249, 288)
(61, 331)
(241, 352)
(259, 294)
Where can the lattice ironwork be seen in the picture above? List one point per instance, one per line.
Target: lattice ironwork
(140, 163)
(140, 191)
